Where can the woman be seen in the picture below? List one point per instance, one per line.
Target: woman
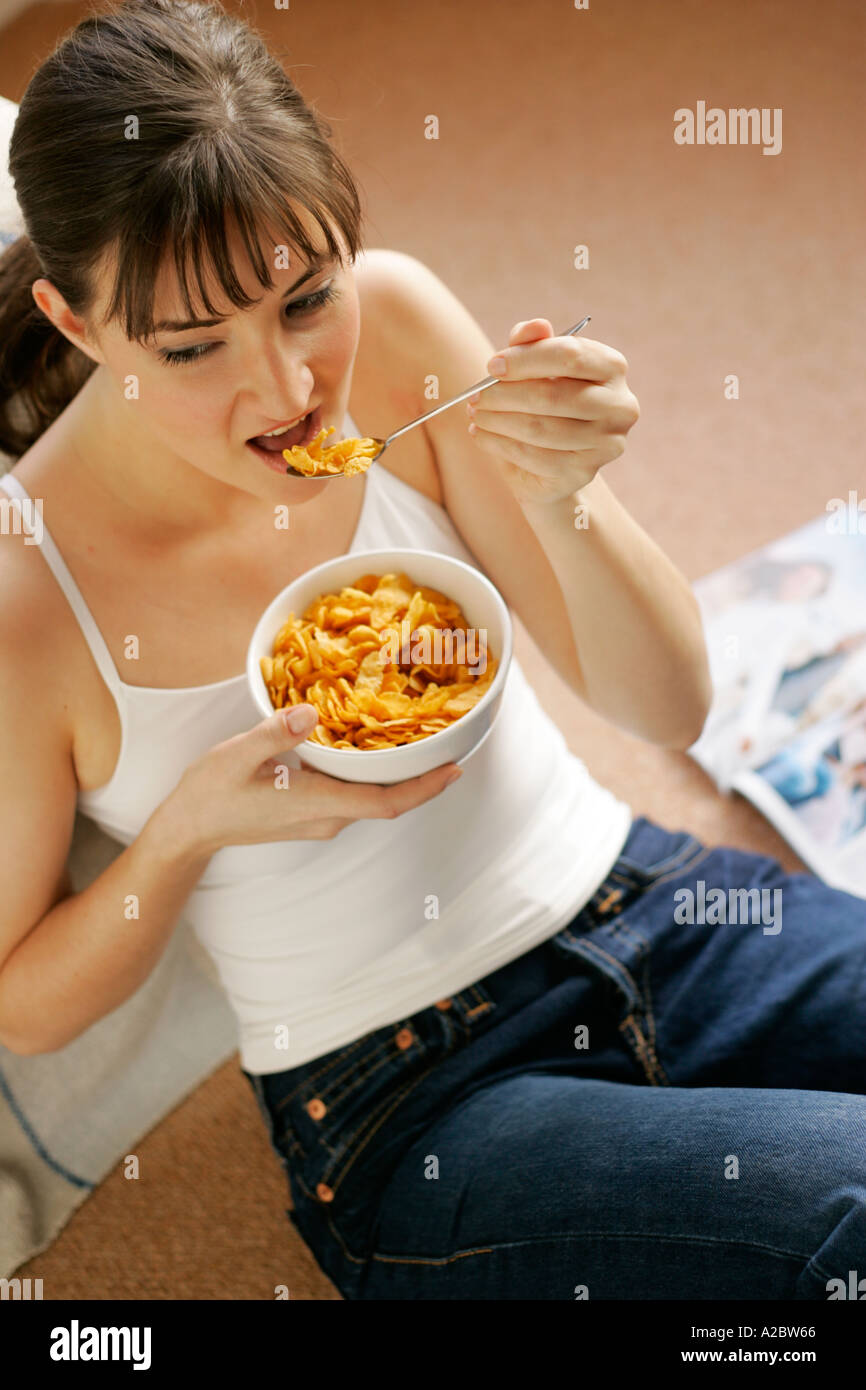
(491, 1062)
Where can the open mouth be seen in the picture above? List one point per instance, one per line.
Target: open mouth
(270, 448)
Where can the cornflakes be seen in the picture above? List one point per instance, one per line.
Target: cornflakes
(348, 456)
(378, 662)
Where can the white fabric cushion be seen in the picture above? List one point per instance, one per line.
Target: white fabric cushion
(10, 214)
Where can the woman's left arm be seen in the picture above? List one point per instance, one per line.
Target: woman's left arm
(613, 615)
(637, 626)
(561, 411)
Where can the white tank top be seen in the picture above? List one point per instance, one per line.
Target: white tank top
(318, 942)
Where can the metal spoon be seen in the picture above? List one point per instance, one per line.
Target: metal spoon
(446, 405)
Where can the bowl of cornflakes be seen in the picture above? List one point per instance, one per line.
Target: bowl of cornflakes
(403, 653)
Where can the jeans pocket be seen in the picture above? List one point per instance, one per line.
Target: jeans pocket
(346, 1120)
(337, 1099)
(337, 1104)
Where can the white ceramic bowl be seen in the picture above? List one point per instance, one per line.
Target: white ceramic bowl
(484, 609)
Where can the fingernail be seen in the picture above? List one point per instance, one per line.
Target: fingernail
(497, 366)
(301, 718)
(458, 772)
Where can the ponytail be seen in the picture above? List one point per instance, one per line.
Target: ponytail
(40, 369)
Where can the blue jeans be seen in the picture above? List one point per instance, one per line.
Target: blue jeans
(642, 1107)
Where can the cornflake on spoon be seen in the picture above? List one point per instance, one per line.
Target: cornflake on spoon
(346, 456)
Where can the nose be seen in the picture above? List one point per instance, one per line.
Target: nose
(279, 380)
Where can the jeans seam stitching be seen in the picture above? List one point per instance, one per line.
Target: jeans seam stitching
(651, 1025)
(631, 937)
(705, 851)
(340, 1174)
(590, 946)
(335, 1086)
(639, 1046)
(356, 1259)
(308, 1080)
(348, 1142)
(666, 865)
(645, 1046)
(583, 1235)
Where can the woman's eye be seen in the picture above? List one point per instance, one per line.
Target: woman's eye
(312, 301)
(178, 356)
(186, 354)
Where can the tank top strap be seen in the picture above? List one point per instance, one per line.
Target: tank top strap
(96, 642)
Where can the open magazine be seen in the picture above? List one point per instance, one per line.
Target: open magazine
(786, 633)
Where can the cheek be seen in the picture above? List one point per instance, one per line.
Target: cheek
(346, 332)
(172, 400)
(185, 406)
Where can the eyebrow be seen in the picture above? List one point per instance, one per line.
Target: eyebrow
(182, 325)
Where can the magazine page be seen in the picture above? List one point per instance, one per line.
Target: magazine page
(814, 792)
(786, 635)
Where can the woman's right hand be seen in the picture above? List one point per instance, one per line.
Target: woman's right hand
(242, 792)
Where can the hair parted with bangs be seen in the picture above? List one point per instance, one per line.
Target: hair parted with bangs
(151, 129)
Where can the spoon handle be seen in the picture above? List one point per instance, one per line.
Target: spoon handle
(470, 391)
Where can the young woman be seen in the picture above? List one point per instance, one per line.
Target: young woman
(493, 1059)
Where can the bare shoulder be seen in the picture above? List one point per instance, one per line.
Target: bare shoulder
(391, 369)
(433, 345)
(422, 312)
(53, 684)
(23, 587)
(406, 305)
(33, 625)
(390, 273)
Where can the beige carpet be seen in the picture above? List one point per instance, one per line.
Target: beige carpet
(556, 129)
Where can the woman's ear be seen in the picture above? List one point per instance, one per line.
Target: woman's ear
(55, 308)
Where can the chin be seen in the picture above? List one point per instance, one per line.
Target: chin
(305, 489)
(276, 487)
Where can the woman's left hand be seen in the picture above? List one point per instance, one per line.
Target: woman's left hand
(559, 414)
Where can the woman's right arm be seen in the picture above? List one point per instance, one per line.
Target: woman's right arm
(68, 959)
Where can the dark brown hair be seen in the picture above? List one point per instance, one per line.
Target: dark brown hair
(150, 126)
